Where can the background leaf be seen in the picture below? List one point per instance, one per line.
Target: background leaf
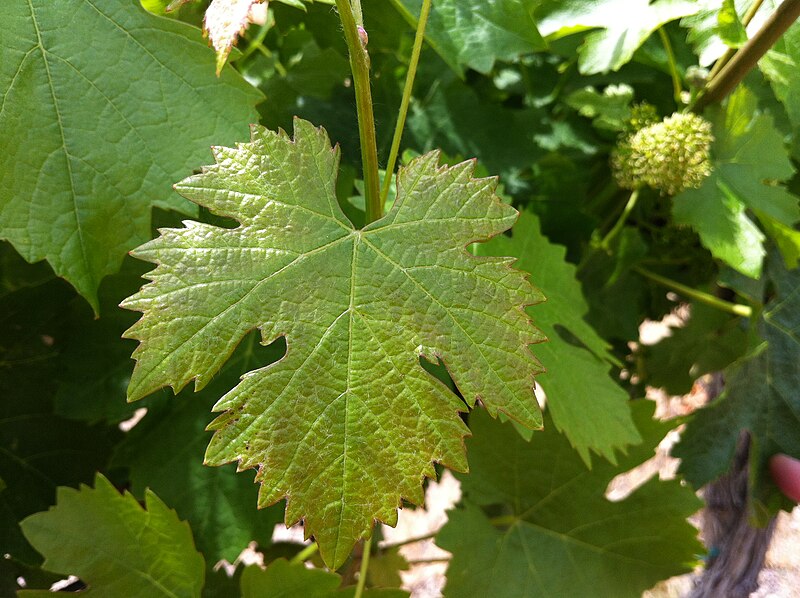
(477, 33)
(624, 24)
(115, 546)
(760, 396)
(554, 532)
(88, 151)
(749, 158)
(584, 402)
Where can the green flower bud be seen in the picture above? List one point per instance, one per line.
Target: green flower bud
(642, 115)
(670, 156)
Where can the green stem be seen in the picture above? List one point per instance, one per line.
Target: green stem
(725, 58)
(736, 309)
(747, 58)
(401, 118)
(606, 242)
(362, 572)
(304, 554)
(677, 84)
(359, 16)
(359, 64)
(430, 536)
(257, 42)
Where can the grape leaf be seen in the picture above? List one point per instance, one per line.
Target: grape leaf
(625, 25)
(477, 33)
(729, 26)
(715, 18)
(749, 158)
(164, 452)
(87, 151)
(554, 533)
(348, 422)
(584, 402)
(609, 110)
(282, 579)
(781, 66)
(760, 395)
(114, 545)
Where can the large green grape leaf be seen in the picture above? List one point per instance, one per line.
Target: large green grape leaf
(552, 531)
(115, 546)
(93, 139)
(164, 452)
(749, 157)
(761, 395)
(584, 402)
(624, 26)
(347, 422)
(477, 33)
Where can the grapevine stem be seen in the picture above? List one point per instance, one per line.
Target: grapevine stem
(362, 572)
(723, 60)
(401, 117)
(745, 59)
(304, 554)
(736, 309)
(359, 64)
(677, 84)
(359, 16)
(606, 242)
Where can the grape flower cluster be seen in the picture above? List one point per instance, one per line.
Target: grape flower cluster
(671, 155)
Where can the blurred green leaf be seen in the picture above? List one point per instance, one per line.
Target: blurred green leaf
(624, 26)
(476, 33)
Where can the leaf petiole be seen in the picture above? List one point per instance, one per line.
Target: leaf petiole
(736, 309)
(409, 85)
(305, 554)
(362, 572)
(677, 84)
(359, 65)
(606, 242)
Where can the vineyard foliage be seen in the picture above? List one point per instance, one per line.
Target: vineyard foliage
(560, 182)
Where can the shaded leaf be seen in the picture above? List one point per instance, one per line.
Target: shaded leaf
(584, 402)
(115, 546)
(760, 396)
(89, 153)
(710, 341)
(38, 450)
(554, 532)
(348, 422)
(477, 33)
